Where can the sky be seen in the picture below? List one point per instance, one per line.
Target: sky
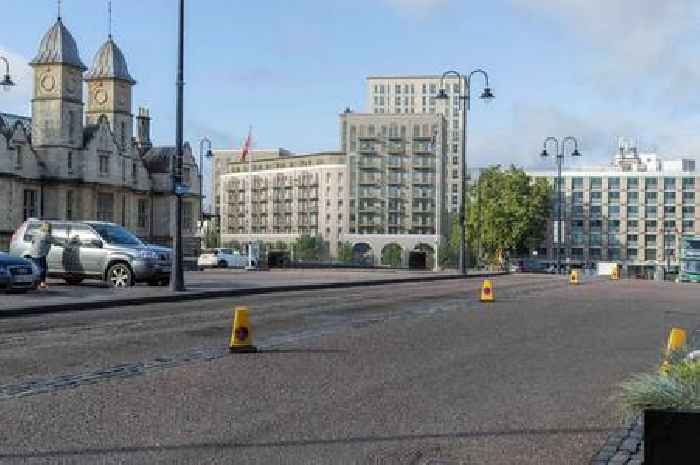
(592, 69)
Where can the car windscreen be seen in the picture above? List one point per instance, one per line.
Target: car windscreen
(116, 235)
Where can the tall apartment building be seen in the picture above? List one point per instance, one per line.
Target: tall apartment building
(632, 212)
(397, 164)
(279, 196)
(415, 95)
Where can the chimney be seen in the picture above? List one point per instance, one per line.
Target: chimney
(143, 121)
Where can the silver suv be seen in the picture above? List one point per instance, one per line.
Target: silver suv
(96, 250)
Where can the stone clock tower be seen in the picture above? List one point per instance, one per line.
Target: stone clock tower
(109, 93)
(57, 104)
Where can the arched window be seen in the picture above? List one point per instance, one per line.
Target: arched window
(123, 131)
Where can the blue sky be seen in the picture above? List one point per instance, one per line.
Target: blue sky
(593, 69)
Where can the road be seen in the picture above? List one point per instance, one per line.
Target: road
(392, 374)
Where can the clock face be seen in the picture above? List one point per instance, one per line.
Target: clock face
(121, 99)
(48, 82)
(101, 96)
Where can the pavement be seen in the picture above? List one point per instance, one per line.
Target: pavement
(411, 373)
(203, 284)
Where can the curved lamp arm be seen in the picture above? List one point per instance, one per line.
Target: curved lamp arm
(573, 140)
(556, 145)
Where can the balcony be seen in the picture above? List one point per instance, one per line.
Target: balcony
(423, 164)
(423, 180)
(364, 180)
(422, 149)
(370, 163)
(396, 149)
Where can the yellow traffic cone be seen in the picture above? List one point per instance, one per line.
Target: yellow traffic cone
(676, 339)
(573, 277)
(487, 294)
(242, 332)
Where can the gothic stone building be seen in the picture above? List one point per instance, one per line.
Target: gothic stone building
(75, 161)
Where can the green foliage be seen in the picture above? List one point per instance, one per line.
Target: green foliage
(391, 255)
(234, 245)
(211, 238)
(310, 248)
(449, 250)
(506, 213)
(279, 245)
(678, 388)
(345, 252)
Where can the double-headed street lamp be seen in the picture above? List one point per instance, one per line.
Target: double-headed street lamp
(6, 82)
(465, 97)
(559, 160)
(209, 155)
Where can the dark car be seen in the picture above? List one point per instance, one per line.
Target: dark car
(17, 274)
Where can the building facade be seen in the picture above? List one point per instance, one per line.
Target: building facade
(397, 166)
(277, 196)
(633, 212)
(78, 160)
(416, 95)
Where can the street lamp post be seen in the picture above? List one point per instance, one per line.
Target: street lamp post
(559, 160)
(177, 280)
(209, 155)
(6, 82)
(464, 94)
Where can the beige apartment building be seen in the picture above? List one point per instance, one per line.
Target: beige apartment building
(397, 165)
(632, 212)
(279, 196)
(416, 95)
(77, 160)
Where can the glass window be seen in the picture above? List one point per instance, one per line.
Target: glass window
(669, 225)
(669, 184)
(688, 197)
(688, 184)
(595, 238)
(614, 197)
(632, 198)
(632, 253)
(632, 225)
(596, 225)
(688, 212)
(688, 226)
(596, 198)
(669, 198)
(613, 211)
(595, 211)
(577, 198)
(577, 211)
(650, 240)
(650, 197)
(650, 225)
(650, 211)
(596, 183)
(595, 253)
(105, 207)
(613, 225)
(632, 211)
(613, 184)
(669, 212)
(650, 184)
(577, 183)
(632, 184)
(113, 234)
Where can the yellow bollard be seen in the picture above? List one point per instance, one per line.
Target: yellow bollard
(242, 332)
(573, 277)
(487, 293)
(615, 275)
(676, 339)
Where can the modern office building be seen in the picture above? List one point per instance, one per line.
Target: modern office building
(415, 95)
(279, 196)
(632, 212)
(397, 165)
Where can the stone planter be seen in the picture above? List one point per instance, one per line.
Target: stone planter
(671, 437)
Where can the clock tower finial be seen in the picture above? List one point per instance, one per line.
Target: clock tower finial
(59, 9)
(109, 17)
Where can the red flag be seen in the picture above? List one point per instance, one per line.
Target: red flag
(246, 144)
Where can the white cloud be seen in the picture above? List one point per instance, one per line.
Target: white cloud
(18, 98)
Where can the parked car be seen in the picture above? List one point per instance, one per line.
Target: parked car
(17, 274)
(221, 258)
(96, 250)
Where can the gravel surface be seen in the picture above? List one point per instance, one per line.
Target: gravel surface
(393, 374)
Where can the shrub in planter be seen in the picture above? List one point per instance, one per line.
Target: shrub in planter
(670, 401)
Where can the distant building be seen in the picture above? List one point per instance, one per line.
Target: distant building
(398, 168)
(415, 94)
(632, 212)
(73, 160)
(277, 196)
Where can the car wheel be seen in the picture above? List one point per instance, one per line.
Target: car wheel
(222, 264)
(73, 281)
(119, 276)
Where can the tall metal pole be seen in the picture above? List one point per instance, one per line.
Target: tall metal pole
(560, 158)
(205, 140)
(463, 252)
(177, 280)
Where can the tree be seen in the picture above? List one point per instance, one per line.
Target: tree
(310, 248)
(391, 255)
(345, 252)
(211, 238)
(507, 213)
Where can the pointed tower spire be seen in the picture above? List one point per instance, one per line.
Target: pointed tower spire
(59, 9)
(109, 18)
